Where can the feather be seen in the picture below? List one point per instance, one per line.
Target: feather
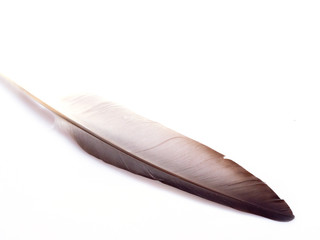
(141, 146)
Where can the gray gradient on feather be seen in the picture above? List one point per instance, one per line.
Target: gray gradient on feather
(129, 141)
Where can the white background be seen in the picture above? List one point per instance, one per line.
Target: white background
(239, 76)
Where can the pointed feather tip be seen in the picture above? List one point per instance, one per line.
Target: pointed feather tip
(281, 212)
(286, 216)
(275, 209)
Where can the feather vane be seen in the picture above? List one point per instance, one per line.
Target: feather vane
(141, 146)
